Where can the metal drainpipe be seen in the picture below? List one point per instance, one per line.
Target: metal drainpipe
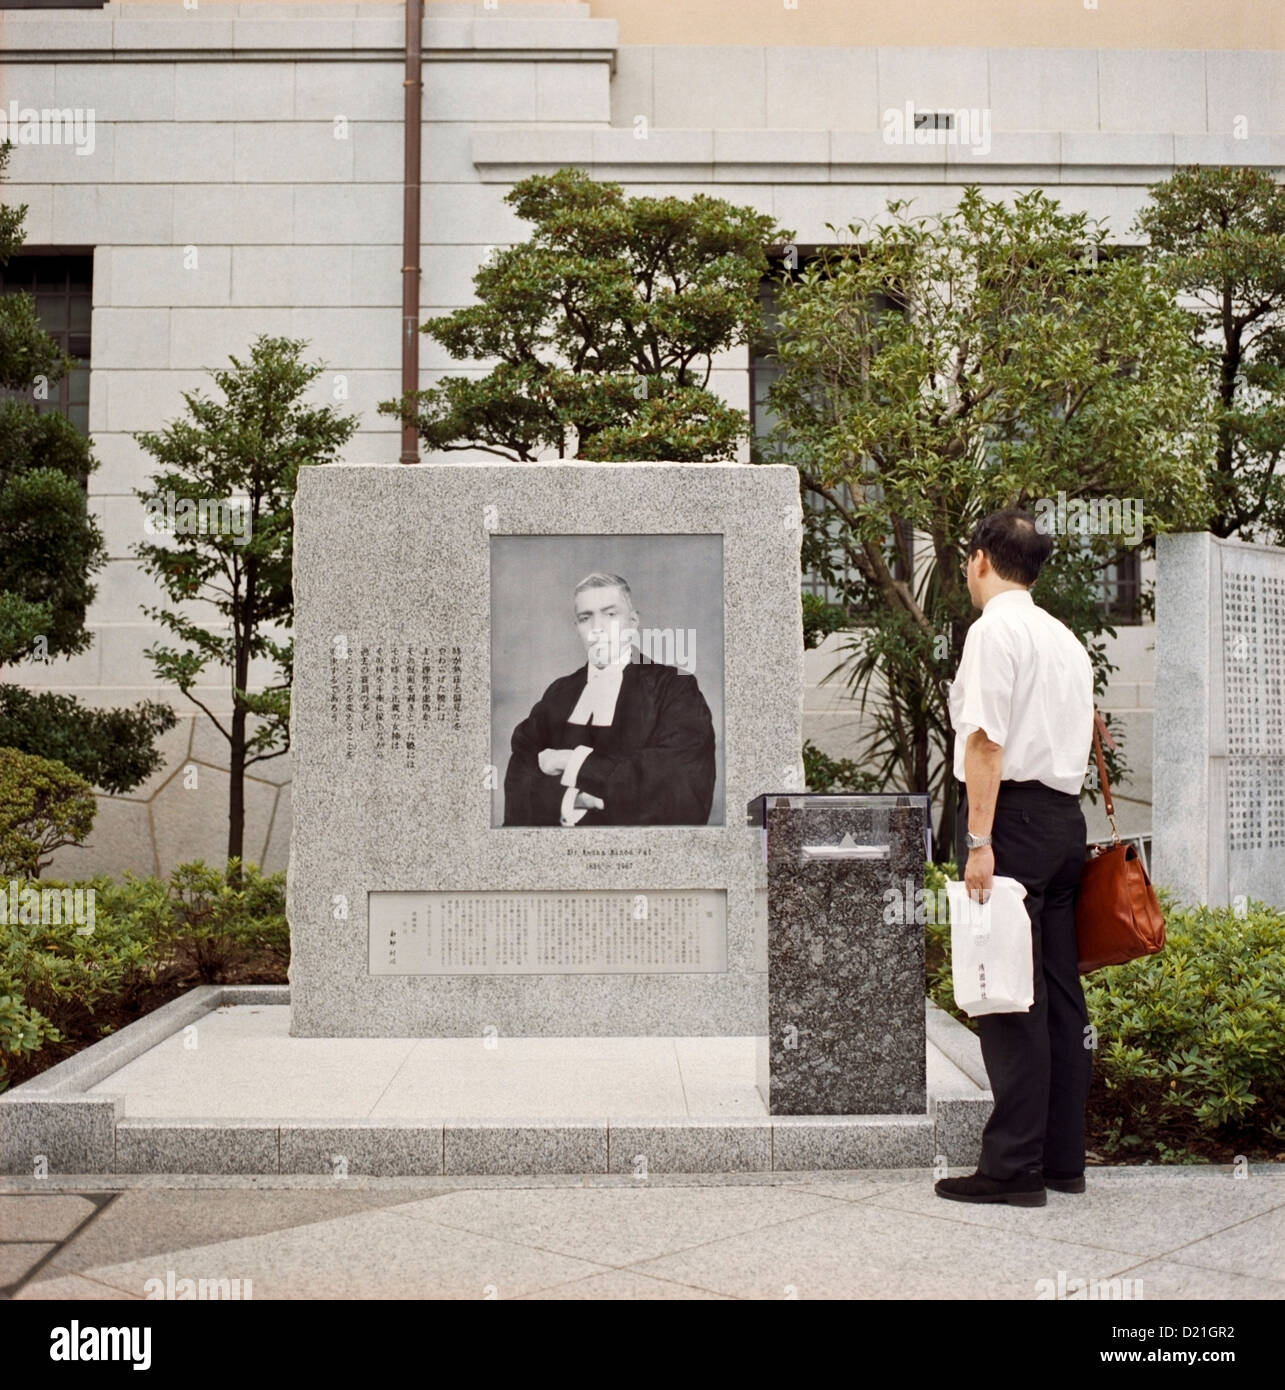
(414, 86)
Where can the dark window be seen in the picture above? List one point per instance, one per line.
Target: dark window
(62, 284)
(764, 370)
(1122, 587)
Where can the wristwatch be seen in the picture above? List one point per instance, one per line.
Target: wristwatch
(976, 841)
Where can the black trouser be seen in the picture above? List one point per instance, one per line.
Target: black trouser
(1038, 1062)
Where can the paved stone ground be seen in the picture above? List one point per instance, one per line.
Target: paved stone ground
(1183, 1233)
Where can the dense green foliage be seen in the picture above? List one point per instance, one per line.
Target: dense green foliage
(62, 987)
(43, 806)
(110, 748)
(1217, 234)
(50, 547)
(822, 773)
(937, 368)
(1189, 1040)
(602, 326)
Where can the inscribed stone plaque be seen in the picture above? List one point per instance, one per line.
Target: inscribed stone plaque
(538, 685)
(575, 933)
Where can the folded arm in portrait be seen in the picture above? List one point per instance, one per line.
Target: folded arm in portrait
(653, 765)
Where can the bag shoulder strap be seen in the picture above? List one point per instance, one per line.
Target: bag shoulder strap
(1101, 734)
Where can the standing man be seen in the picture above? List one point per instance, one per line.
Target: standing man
(1022, 708)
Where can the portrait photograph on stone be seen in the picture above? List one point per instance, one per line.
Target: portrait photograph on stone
(603, 714)
(642, 658)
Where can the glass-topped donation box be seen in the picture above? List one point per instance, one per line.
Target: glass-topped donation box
(845, 952)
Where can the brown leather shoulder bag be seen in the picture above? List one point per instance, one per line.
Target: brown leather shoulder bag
(1117, 917)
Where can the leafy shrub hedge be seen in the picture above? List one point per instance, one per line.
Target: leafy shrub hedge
(62, 987)
(1190, 1042)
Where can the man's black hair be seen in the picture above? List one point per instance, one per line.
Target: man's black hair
(1014, 545)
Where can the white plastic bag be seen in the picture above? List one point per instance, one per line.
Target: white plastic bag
(990, 949)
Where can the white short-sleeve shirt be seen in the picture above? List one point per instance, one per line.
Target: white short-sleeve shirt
(1026, 679)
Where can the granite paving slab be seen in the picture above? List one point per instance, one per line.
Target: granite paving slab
(1135, 1218)
(619, 1226)
(144, 1222)
(365, 1255)
(860, 1250)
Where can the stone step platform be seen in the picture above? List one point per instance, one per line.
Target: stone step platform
(214, 1083)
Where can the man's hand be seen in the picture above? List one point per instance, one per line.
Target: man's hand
(978, 872)
(586, 801)
(554, 760)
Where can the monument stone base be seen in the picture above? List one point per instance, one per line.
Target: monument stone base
(251, 1099)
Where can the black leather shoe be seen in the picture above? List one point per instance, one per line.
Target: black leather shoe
(1070, 1182)
(1024, 1190)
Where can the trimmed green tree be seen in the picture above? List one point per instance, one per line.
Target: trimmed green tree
(224, 498)
(43, 807)
(1217, 234)
(602, 327)
(939, 368)
(50, 547)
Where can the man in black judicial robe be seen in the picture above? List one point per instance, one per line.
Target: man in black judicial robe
(618, 741)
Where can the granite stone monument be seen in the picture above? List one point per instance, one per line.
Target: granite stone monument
(1219, 753)
(525, 697)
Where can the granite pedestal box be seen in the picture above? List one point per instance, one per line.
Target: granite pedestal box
(446, 878)
(846, 1032)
